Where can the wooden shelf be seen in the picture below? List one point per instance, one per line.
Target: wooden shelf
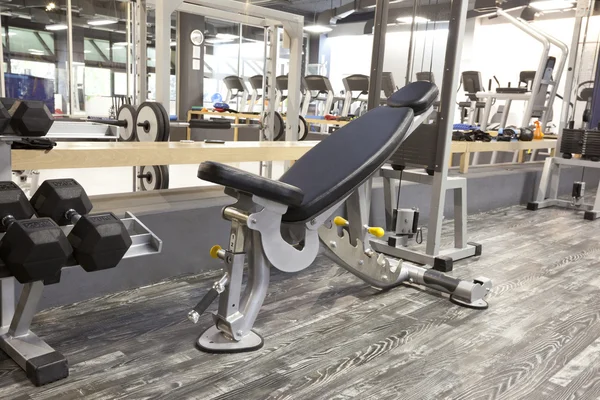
(122, 154)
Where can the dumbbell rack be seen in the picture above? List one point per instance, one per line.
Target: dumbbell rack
(41, 362)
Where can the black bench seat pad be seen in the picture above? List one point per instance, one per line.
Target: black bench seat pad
(243, 181)
(345, 159)
(418, 95)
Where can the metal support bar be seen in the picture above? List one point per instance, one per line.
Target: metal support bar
(71, 82)
(26, 308)
(456, 30)
(377, 56)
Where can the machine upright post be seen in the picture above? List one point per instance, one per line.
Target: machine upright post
(456, 30)
(381, 15)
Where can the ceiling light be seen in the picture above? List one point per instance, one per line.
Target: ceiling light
(120, 44)
(9, 33)
(391, 2)
(547, 5)
(173, 44)
(50, 6)
(228, 36)
(100, 22)
(56, 27)
(36, 52)
(409, 20)
(317, 29)
(87, 51)
(217, 41)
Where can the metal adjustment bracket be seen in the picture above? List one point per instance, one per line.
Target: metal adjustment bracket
(280, 253)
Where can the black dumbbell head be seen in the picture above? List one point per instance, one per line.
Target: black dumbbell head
(35, 249)
(13, 202)
(30, 118)
(99, 241)
(55, 197)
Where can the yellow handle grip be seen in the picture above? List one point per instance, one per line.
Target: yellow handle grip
(339, 221)
(214, 250)
(376, 231)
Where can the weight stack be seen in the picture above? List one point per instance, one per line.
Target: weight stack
(419, 149)
(572, 141)
(591, 145)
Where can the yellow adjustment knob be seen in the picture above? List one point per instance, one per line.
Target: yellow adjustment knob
(376, 231)
(214, 250)
(339, 221)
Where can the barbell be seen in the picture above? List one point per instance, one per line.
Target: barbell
(152, 124)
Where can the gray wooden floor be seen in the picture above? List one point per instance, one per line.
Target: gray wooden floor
(330, 336)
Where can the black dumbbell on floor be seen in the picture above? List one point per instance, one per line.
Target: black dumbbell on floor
(29, 118)
(99, 241)
(32, 249)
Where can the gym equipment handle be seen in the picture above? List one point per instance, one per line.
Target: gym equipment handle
(121, 123)
(209, 124)
(203, 305)
(447, 283)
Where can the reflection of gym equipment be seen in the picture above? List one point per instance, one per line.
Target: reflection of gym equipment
(540, 98)
(586, 94)
(29, 118)
(355, 83)
(47, 249)
(322, 86)
(470, 110)
(256, 82)
(236, 89)
(279, 223)
(571, 141)
(388, 86)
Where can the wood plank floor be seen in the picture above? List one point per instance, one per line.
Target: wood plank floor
(330, 336)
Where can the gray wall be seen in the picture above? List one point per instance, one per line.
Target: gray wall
(189, 222)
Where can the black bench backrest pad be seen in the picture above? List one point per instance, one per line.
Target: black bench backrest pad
(345, 159)
(418, 95)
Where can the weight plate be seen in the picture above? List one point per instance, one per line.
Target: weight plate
(127, 113)
(278, 127)
(167, 125)
(302, 128)
(150, 123)
(154, 177)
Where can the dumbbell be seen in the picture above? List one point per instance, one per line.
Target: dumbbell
(99, 241)
(24, 117)
(32, 249)
(126, 115)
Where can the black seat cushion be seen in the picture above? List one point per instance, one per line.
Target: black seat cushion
(345, 159)
(418, 95)
(250, 183)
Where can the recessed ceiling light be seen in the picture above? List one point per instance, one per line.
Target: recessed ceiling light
(218, 41)
(409, 20)
(226, 36)
(9, 33)
(120, 44)
(391, 2)
(547, 5)
(100, 22)
(87, 51)
(56, 27)
(318, 29)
